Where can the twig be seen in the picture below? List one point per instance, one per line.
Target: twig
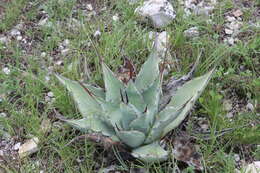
(100, 139)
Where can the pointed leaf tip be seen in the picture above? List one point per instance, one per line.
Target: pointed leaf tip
(150, 153)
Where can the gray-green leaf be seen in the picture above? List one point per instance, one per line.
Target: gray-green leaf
(131, 138)
(150, 153)
(189, 92)
(148, 73)
(112, 85)
(86, 103)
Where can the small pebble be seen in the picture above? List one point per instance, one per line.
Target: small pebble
(237, 13)
(97, 33)
(65, 51)
(3, 39)
(43, 54)
(231, 18)
(230, 115)
(66, 43)
(19, 38)
(89, 7)
(3, 115)
(47, 78)
(60, 62)
(43, 21)
(228, 31)
(50, 94)
(250, 107)
(17, 146)
(230, 41)
(236, 157)
(15, 32)
(115, 18)
(6, 70)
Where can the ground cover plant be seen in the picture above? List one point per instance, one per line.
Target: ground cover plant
(41, 38)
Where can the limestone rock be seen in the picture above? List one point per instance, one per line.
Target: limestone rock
(29, 147)
(192, 32)
(160, 12)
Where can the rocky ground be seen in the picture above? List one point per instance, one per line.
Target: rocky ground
(40, 38)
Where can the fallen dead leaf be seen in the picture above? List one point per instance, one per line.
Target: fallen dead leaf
(185, 151)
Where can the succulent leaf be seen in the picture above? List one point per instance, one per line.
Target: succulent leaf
(189, 93)
(148, 73)
(92, 123)
(150, 153)
(131, 138)
(112, 85)
(135, 97)
(140, 124)
(112, 113)
(129, 114)
(98, 92)
(163, 119)
(152, 96)
(86, 103)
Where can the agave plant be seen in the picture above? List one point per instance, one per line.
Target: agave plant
(130, 112)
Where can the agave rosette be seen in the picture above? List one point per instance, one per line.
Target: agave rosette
(129, 112)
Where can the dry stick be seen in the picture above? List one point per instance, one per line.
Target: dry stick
(104, 141)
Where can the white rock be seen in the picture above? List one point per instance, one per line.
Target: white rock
(115, 18)
(230, 18)
(50, 94)
(250, 106)
(47, 78)
(66, 43)
(3, 39)
(235, 25)
(43, 21)
(230, 41)
(192, 32)
(97, 33)
(15, 32)
(6, 70)
(1, 153)
(17, 146)
(252, 168)
(60, 62)
(3, 115)
(160, 12)
(65, 51)
(43, 54)
(228, 31)
(19, 38)
(236, 157)
(89, 7)
(29, 147)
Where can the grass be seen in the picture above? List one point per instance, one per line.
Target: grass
(24, 90)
